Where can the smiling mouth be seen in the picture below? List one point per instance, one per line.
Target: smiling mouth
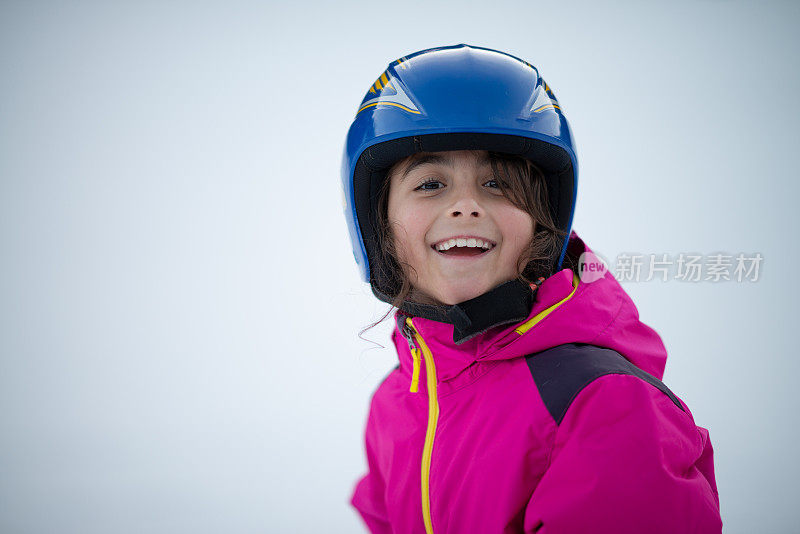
(465, 251)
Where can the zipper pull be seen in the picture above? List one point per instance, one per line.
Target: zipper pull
(407, 331)
(535, 285)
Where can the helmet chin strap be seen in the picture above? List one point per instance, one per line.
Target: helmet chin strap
(509, 302)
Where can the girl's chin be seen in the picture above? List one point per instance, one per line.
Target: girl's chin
(458, 294)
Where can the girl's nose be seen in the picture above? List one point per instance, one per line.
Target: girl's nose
(474, 213)
(467, 205)
(466, 198)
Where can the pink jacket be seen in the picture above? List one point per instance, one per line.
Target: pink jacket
(555, 424)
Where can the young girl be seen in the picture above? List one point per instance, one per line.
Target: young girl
(527, 397)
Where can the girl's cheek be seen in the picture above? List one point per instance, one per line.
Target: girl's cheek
(400, 240)
(404, 237)
(519, 222)
(415, 221)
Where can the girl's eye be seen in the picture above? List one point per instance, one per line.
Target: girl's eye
(498, 185)
(427, 182)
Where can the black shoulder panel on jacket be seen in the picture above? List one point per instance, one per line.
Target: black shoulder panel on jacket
(561, 372)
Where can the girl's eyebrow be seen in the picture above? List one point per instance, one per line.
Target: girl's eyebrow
(424, 160)
(434, 159)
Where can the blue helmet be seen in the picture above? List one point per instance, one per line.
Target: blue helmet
(457, 97)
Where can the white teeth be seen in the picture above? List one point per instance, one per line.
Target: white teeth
(470, 242)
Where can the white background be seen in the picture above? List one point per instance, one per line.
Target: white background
(180, 308)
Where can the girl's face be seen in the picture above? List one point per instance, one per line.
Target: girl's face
(439, 196)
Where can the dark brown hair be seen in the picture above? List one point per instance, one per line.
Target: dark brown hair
(524, 185)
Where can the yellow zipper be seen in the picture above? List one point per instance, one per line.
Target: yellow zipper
(521, 329)
(433, 417)
(415, 374)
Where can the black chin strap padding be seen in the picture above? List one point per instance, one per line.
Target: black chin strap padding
(459, 319)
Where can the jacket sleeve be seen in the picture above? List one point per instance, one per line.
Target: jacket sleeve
(626, 459)
(369, 495)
